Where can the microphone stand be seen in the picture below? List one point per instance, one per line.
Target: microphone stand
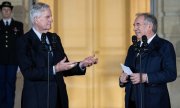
(139, 53)
(49, 51)
(141, 92)
(46, 47)
(142, 50)
(48, 81)
(48, 66)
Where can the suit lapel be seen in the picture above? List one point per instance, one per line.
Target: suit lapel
(2, 23)
(36, 44)
(154, 44)
(33, 36)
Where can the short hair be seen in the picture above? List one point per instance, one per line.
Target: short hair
(37, 9)
(148, 18)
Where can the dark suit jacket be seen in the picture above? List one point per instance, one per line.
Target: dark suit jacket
(159, 62)
(8, 37)
(34, 66)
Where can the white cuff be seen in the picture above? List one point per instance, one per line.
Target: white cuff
(54, 71)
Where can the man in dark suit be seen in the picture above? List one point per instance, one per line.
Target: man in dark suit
(9, 31)
(43, 66)
(153, 66)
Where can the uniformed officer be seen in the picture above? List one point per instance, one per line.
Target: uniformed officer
(9, 31)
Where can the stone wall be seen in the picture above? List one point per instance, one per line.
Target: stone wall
(20, 13)
(168, 15)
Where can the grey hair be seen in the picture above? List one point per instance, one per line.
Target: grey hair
(37, 9)
(148, 18)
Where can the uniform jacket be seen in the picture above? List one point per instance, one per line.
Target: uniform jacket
(159, 62)
(33, 62)
(8, 35)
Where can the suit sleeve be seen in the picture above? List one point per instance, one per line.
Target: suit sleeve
(128, 63)
(60, 55)
(167, 67)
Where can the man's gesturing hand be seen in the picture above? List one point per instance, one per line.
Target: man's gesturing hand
(63, 65)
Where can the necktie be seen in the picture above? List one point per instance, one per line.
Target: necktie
(48, 47)
(7, 24)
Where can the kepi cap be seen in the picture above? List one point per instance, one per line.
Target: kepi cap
(6, 4)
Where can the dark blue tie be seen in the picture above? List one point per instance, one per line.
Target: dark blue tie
(7, 24)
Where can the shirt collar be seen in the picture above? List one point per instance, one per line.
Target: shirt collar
(37, 33)
(5, 20)
(150, 39)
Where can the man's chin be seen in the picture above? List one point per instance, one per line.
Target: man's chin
(138, 36)
(48, 28)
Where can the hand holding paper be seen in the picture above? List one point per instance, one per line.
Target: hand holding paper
(126, 69)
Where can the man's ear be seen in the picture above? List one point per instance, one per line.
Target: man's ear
(36, 19)
(150, 26)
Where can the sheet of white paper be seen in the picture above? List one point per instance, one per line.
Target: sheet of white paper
(126, 69)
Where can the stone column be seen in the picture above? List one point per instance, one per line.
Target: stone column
(168, 15)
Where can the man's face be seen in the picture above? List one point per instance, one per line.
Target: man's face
(140, 28)
(6, 12)
(43, 22)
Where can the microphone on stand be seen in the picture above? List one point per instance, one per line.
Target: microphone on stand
(47, 48)
(134, 40)
(143, 49)
(135, 43)
(145, 44)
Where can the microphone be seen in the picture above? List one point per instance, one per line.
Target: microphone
(54, 41)
(135, 43)
(43, 40)
(144, 40)
(134, 39)
(144, 45)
